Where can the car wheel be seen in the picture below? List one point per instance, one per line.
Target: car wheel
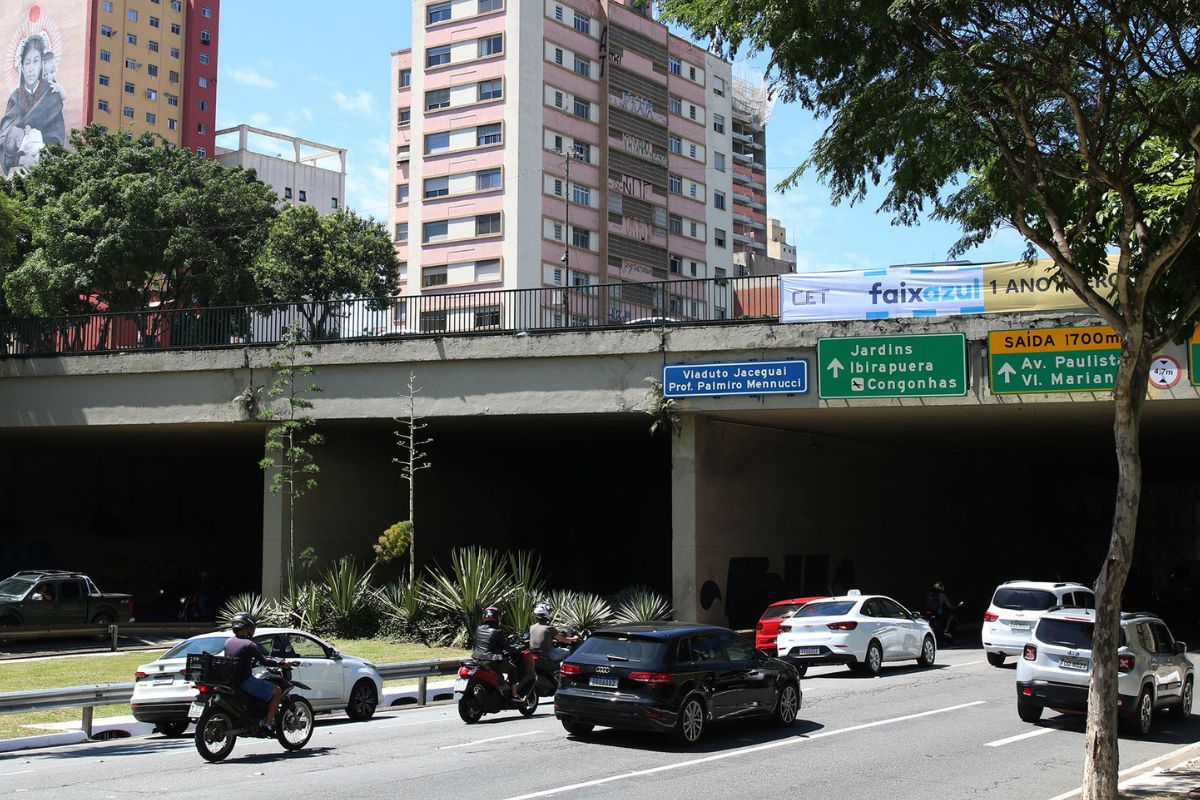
(362, 701)
(580, 729)
(996, 659)
(689, 726)
(802, 670)
(928, 652)
(469, 708)
(787, 705)
(1184, 709)
(174, 728)
(295, 723)
(1143, 714)
(103, 619)
(1028, 712)
(213, 740)
(872, 662)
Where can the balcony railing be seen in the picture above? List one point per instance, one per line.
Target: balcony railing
(704, 301)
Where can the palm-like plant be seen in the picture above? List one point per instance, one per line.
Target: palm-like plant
(525, 571)
(640, 604)
(348, 594)
(477, 579)
(245, 603)
(582, 612)
(401, 602)
(309, 607)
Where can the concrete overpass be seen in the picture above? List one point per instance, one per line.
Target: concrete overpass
(541, 441)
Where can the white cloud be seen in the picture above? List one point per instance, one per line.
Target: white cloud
(306, 112)
(260, 119)
(251, 77)
(379, 146)
(361, 102)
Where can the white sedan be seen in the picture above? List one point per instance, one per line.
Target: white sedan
(162, 693)
(861, 631)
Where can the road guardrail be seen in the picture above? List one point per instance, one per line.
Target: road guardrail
(112, 632)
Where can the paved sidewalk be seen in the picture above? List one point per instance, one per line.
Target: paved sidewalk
(1171, 783)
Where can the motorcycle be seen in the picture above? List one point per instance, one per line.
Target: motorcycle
(481, 689)
(222, 712)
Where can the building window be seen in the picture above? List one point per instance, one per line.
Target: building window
(581, 237)
(175, 53)
(175, 29)
(200, 128)
(676, 105)
(172, 124)
(205, 37)
(558, 187)
(488, 317)
(692, 266)
(558, 13)
(488, 6)
(693, 189)
(437, 187)
(692, 72)
(206, 12)
(129, 88)
(582, 109)
(558, 56)
(488, 134)
(130, 64)
(719, 200)
(691, 111)
(491, 90)
(103, 80)
(202, 152)
(718, 123)
(491, 45)
(303, 196)
(558, 99)
(487, 224)
(581, 195)
(105, 30)
(154, 22)
(151, 118)
(584, 68)
(435, 231)
(438, 98)
(556, 231)
(675, 224)
(401, 231)
(102, 105)
(172, 100)
(333, 202)
(675, 183)
(439, 12)
(435, 277)
(152, 94)
(173, 76)
(287, 193)
(176, 5)
(719, 87)
(433, 321)
(719, 161)
(693, 231)
(583, 151)
(436, 143)
(203, 81)
(132, 14)
(675, 263)
(152, 70)
(437, 56)
(105, 55)
(152, 46)
(402, 193)
(583, 24)
(486, 180)
(718, 237)
(204, 58)
(675, 144)
(405, 78)
(692, 149)
(127, 112)
(107, 5)
(405, 115)
(675, 65)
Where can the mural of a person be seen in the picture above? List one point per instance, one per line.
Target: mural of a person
(33, 117)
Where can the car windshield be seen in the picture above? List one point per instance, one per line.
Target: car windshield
(14, 587)
(778, 612)
(1024, 599)
(835, 609)
(608, 648)
(209, 644)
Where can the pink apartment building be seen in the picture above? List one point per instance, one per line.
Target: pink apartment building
(490, 101)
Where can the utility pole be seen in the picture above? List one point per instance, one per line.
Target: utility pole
(567, 156)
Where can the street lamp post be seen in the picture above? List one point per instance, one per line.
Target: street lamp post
(567, 156)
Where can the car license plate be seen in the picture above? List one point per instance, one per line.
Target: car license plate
(195, 710)
(460, 685)
(1073, 663)
(807, 651)
(602, 682)
(164, 680)
(1019, 625)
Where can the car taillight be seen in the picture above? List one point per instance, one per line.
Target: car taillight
(1030, 653)
(203, 688)
(990, 617)
(568, 669)
(842, 626)
(464, 672)
(1125, 663)
(785, 628)
(653, 678)
(137, 676)
(183, 672)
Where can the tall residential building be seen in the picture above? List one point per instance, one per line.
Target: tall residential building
(751, 107)
(560, 142)
(301, 172)
(132, 65)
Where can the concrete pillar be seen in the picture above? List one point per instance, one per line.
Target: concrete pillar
(274, 537)
(692, 559)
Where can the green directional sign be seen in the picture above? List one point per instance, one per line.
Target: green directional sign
(920, 365)
(1194, 357)
(1040, 360)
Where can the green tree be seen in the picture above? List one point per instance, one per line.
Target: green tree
(319, 260)
(1074, 123)
(127, 222)
(14, 240)
(290, 441)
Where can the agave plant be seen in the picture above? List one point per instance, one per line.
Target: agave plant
(246, 603)
(582, 612)
(349, 596)
(401, 603)
(309, 607)
(477, 579)
(640, 604)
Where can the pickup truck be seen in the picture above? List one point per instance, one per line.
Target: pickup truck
(37, 598)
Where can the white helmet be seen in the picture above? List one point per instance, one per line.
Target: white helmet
(542, 611)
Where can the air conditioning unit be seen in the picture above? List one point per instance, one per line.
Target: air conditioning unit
(401, 158)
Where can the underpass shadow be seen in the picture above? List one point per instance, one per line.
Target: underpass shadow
(885, 670)
(718, 737)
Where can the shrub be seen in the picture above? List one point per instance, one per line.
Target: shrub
(265, 612)
(640, 604)
(402, 608)
(350, 600)
(394, 542)
(477, 579)
(581, 612)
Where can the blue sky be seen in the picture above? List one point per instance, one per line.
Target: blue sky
(325, 76)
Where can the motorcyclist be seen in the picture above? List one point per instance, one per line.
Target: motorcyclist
(939, 605)
(544, 638)
(492, 646)
(247, 652)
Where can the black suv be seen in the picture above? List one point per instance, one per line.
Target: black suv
(671, 677)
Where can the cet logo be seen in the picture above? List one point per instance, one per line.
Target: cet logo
(809, 297)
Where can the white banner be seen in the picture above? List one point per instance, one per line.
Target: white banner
(881, 293)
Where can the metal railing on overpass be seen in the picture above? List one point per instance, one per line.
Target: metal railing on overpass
(88, 697)
(703, 301)
(111, 632)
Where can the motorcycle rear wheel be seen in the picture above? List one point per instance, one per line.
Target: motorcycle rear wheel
(213, 740)
(529, 704)
(295, 723)
(469, 709)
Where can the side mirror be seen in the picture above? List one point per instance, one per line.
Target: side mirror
(916, 615)
(1180, 647)
(36, 597)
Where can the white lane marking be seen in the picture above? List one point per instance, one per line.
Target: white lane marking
(758, 748)
(965, 663)
(18, 772)
(493, 739)
(1020, 736)
(1144, 765)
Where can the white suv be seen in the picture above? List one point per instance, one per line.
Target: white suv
(1153, 670)
(1016, 608)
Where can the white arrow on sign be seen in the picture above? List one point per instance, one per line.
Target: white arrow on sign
(1007, 371)
(835, 367)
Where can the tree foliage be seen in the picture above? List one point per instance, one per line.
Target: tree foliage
(14, 240)
(130, 222)
(1077, 124)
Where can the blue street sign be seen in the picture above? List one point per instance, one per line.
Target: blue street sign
(735, 379)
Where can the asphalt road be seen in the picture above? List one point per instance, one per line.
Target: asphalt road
(947, 732)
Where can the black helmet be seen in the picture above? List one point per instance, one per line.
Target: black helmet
(242, 622)
(492, 615)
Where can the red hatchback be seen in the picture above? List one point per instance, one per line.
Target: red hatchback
(768, 626)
